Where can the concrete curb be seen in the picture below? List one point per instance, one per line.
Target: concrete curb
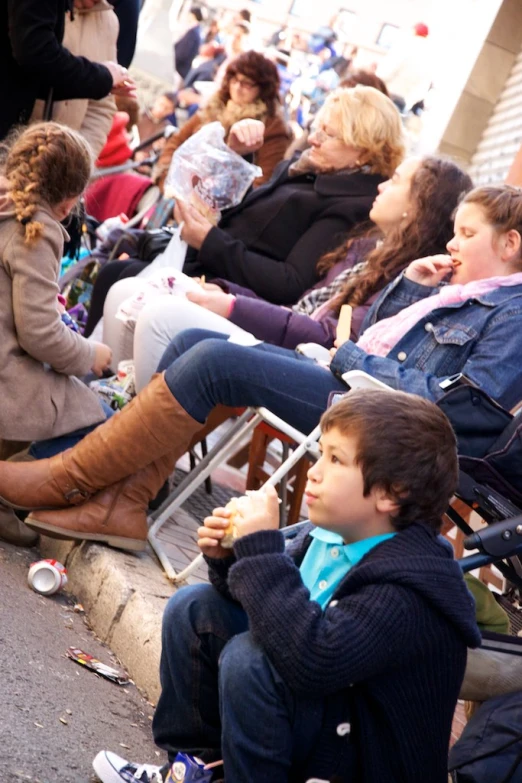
(124, 597)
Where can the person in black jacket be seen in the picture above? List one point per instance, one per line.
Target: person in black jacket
(272, 241)
(34, 64)
(340, 657)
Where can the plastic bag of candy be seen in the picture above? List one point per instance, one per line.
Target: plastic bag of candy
(209, 175)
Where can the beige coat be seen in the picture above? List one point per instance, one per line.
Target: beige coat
(92, 34)
(39, 355)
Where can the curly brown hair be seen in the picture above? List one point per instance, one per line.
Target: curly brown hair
(258, 69)
(436, 189)
(45, 163)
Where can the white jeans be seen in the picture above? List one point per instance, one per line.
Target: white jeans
(157, 325)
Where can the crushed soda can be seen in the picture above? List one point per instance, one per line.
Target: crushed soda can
(47, 576)
(84, 659)
(188, 769)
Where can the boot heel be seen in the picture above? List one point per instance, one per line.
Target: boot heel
(129, 544)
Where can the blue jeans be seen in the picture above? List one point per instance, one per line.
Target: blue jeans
(42, 449)
(203, 369)
(221, 695)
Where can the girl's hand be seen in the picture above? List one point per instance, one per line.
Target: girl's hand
(102, 358)
(259, 512)
(246, 136)
(212, 531)
(196, 226)
(429, 271)
(216, 301)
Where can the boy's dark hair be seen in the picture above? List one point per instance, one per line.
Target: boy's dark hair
(197, 13)
(405, 446)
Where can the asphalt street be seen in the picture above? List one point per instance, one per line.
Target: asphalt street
(55, 715)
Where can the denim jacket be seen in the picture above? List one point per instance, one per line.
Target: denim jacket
(480, 337)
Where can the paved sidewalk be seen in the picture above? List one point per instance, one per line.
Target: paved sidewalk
(124, 595)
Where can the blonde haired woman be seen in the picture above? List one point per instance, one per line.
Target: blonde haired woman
(272, 241)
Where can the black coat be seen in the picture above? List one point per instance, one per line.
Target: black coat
(32, 60)
(272, 241)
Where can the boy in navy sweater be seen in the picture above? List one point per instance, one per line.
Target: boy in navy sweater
(335, 654)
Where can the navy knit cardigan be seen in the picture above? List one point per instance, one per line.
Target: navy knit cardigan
(388, 654)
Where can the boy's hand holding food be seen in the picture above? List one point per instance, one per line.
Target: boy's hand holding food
(212, 532)
(248, 514)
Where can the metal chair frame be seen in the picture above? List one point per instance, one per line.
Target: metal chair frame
(221, 452)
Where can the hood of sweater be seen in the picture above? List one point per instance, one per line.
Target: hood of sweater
(419, 560)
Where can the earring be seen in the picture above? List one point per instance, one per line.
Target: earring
(405, 214)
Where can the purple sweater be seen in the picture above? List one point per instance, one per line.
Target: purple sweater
(282, 326)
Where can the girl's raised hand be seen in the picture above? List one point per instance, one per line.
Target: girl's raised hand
(430, 271)
(246, 136)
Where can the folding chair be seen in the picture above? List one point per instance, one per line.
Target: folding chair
(221, 452)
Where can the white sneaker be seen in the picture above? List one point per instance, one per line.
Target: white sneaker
(111, 768)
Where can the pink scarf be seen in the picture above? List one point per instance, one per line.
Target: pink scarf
(380, 338)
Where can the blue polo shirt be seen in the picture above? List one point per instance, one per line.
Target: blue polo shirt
(328, 560)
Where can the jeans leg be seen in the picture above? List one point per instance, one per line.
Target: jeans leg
(267, 730)
(42, 449)
(197, 624)
(204, 370)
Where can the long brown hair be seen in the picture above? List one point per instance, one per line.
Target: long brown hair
(45, 163)
(436, 188)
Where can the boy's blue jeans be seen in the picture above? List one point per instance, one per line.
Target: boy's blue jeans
(221, 695)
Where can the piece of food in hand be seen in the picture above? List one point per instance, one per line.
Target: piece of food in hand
(344, 325)
(237, 508)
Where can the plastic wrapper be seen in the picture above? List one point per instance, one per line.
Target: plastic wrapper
(165, 282)
(207, 174)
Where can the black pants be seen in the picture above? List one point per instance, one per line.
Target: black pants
(109, 274)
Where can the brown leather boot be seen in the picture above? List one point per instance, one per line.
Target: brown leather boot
(14, 531)
(116, 516)
(150, 426)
